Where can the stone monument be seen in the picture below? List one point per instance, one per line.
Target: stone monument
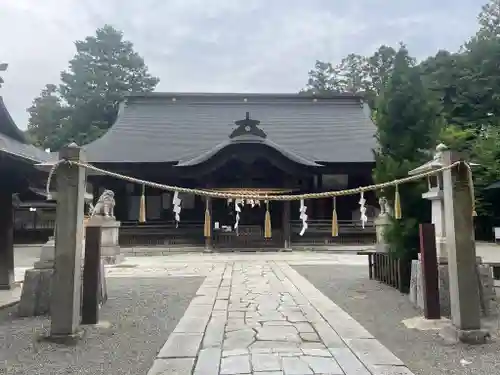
(436, 196)
(103, 215)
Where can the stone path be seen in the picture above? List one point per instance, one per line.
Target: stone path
(254, 315)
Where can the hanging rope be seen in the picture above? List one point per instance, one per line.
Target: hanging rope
(142, 206)
(207, 228)
(176, 201)
(397, 204)
(335, 222)
(471, 188)
(267, 222)
(251, 195)
(362, 210)
(303, 217)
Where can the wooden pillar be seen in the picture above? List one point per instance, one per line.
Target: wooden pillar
(91, 275)
(6, 240)
(287, 238)
(430, 273)
(66, 280)
(464, 288)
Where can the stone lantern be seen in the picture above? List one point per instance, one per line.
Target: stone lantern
(435, 195)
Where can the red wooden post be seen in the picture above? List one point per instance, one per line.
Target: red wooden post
(430, 273)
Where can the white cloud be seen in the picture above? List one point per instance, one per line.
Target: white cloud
(219, 45)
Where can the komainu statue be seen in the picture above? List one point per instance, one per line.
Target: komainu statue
(105, 206)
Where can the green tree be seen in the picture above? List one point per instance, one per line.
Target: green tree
(380, 67)
(353, 74)
(46, 118)
(407, 125)
(489, 20)
(104, 69)
(322, 79)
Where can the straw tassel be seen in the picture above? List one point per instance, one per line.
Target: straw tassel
(397, 205)
(142, 206)
(471, 189)
(207, 230)
(335, 223)
(267, 223)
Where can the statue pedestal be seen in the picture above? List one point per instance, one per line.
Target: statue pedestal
(110, 229)
(37, 285)
(381, 223)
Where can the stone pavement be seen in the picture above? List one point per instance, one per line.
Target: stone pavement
(254, 314)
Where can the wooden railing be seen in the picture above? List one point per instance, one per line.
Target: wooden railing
(162, 233)
(33, 232)
(248, 237)
(191, 233)
(389, 269)
(319, 232)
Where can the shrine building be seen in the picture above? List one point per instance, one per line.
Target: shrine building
(269, 143)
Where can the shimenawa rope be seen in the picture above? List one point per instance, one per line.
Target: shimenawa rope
(251, 194)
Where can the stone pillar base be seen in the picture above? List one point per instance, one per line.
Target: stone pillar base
(35, 296)
(454, 335)
(488, 295)
(381, 223)
(37, 288)
(111, 255)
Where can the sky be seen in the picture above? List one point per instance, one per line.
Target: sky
(221, 45)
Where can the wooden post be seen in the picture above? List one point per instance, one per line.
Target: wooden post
(6, 240)
(286, 226)
(430, 273)
(66, 281)
(460, 242)
(91, 276)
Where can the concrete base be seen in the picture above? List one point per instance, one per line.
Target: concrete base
(35, 297)
(454, 335)
(111, 255)
(488, 296)
(37, 287)
(71, 339)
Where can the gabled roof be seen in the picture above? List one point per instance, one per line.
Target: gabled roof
(13, 142)
(177, 127)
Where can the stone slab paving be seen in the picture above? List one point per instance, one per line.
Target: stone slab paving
(256, 315)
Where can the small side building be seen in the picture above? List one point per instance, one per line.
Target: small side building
(18, 177)
(270, 143)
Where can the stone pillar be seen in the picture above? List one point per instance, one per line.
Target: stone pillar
(6, 240)
(464, 283)
(110, 231)
(381, 223)
(287, 239)
(66, 281)
(438, 219)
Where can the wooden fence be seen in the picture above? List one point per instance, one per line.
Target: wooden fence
(389, 269)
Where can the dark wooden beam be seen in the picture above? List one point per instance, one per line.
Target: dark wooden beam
(430, 273)
(6, 240)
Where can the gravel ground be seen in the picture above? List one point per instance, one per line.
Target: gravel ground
(381, 310)
(142, 312)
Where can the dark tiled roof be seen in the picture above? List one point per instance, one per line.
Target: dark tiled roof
(171, 127)
(13, 142)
